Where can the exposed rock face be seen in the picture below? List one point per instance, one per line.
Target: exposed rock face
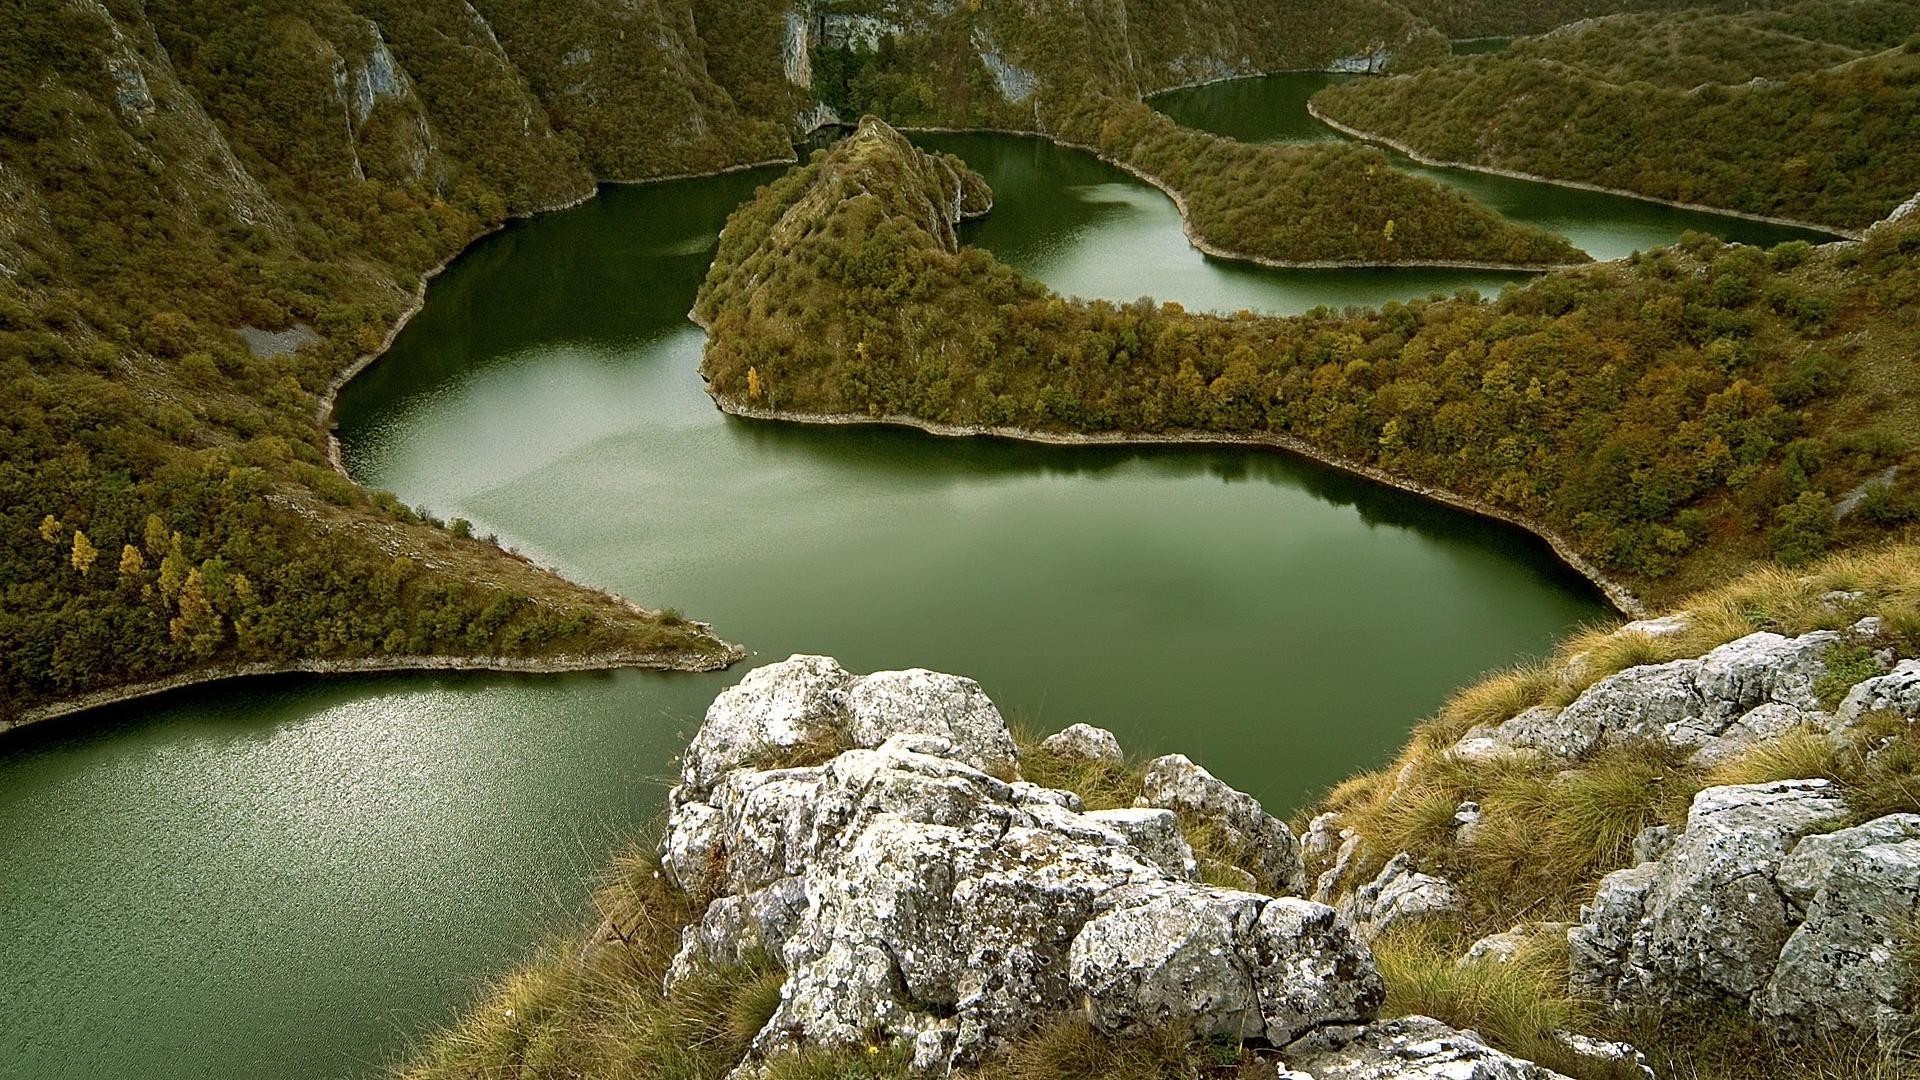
(1222, 963)
(909, 892)
(1270, 852)
(813, 701)
(1400, 893)
(1413, 1048)
(1745, 691)
(1706, 921)
(1851, 965)
(1086, 742)
(1756, 903)
(1897, 692)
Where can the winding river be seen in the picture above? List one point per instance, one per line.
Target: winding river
(292, 877)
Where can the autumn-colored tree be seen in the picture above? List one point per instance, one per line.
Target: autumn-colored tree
(83, 552)
(50, 529)
(753, 383)
(131, 564)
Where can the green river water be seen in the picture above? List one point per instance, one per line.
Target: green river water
(293, 877)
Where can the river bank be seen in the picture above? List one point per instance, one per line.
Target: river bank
(546, 665)
(1207, 247)
(1579, 185)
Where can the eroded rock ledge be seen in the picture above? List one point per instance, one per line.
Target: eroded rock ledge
(872, 836)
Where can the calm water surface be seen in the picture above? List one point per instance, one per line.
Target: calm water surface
(1273, 108)
(292, 877)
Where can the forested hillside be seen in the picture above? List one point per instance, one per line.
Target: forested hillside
(1809, 111)
(174, 174)
(1673, 417)
(209, 211)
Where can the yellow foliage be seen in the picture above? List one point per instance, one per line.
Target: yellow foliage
(83, 552)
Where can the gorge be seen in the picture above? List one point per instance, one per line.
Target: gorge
(189, 875)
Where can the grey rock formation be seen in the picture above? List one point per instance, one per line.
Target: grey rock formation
(1897, 692)
(1400, 893)
(1850, 966)
(1155, 833)
(811, 701)
(1719, 704)
(1757, 903)
(1222, 962)
(1268, 847)
(1502, 947)
(910, 893)
(1086, 742)
(1412, 1048)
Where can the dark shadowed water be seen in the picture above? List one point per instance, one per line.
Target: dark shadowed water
(291, 877)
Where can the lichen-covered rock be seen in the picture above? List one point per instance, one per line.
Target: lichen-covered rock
(1266, 847)
(1154, 833)
(799, 701)
(1413, 1048)
(1755, 688)
(889, 703)
(1849, 968)
(1706, 922)
(1897, 692)
(1172, 959)
(1398, 894)
(1085, 742)
(911, 895)
(811, 701)
(1813, 860)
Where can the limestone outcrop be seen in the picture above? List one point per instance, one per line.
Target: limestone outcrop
(1717, 705)
(871, 835)
(1760, 902)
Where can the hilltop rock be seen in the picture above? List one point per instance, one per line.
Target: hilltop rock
(811, 701)
(911, 894)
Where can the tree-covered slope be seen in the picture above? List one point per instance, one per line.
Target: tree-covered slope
(1672, 418)
(1077, 72)
(1811, 112)
(175, 173)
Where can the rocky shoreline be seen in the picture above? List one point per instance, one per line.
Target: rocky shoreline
(324, 408)
(1616, 593)
(1580, 185)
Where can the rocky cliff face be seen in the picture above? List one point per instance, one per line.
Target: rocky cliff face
(873, 835)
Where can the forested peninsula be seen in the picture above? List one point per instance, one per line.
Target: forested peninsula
(211, 213)
(1670, 419)
(1805, 111)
